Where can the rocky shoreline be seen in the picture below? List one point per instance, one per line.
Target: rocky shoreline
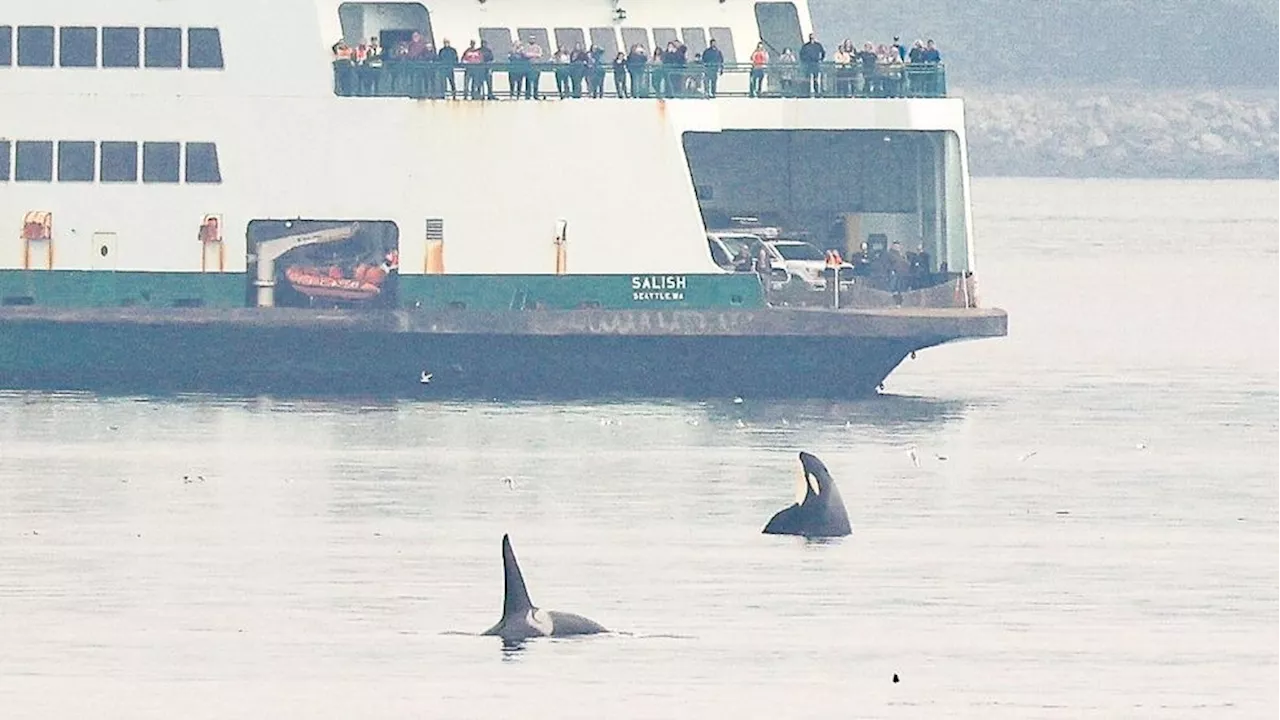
(1122, 133)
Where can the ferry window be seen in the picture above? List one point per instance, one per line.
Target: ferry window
(204, 48)
(78, 46)
(202, 163)
(120, 47)
(695, 39)
(390, 22)
(779, 26)
(35, 46)
(160, 162)
(33, 161)
(662, 36)
(724, 40)
(606, 39)
(6, 45)
(163, 47)
(499, 40)
(632, 37)
(118, 162)
(75, 161)
(538, 35)
(4, 160)
(567, 38)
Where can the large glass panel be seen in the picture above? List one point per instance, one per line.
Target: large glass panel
(779, 24)
(120, 47)
(35, 46)
(202, 163)
(567, 38)
(390, 22)
(632, 37)
(695, 39)
(538, 35)
(4, 160)
(163, 47)
(119, 161)
(662, 36)
(75, 161)
(607, 39)
(78, 46)
(499, 40)
(160, 162)
(204, 48)
(34, 161)
(724, 40)
(6, 45)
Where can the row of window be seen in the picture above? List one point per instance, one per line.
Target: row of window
(695, 38)
(111, 161)
(113, 47)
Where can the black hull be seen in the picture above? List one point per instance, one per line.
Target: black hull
(358, 357)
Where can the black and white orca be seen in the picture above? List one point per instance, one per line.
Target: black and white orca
(819, 511)
(522, 620)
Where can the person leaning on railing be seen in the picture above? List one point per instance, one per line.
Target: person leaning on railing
(759, 59)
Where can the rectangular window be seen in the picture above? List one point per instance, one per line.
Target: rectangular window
(567, 38)
(118, 162)
(724, 41)
(160, 162)
(35, 46)
(202, 163)
(632, 37)
(499, 40)
(33, 161)
(120, 47)
(75, 161)
(78, 46)
(6, 45)
(204, 48)
(538, 35)
(662, 36)
(4, 160)
(695, 39)
(163, 47)
(779, 24)
(606, 39)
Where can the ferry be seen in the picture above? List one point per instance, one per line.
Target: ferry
(314, 197)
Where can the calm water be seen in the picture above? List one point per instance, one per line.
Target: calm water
(332, 555)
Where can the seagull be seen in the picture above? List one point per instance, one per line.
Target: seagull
(1028, 456)
(915, 459)
(740, 423)
(509, 481)
(940, 457)
(1141, 446)
(425, 377)
(737, 401)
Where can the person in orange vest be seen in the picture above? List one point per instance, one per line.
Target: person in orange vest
(759, 59)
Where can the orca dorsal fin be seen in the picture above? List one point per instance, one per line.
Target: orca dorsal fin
(515, 597)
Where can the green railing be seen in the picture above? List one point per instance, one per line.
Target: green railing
(495, 81)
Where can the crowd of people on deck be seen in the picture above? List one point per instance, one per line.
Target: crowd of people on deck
(417, 68)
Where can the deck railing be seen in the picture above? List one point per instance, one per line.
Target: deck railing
(502, 81)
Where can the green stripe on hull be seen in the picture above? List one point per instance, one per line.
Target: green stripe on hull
(565, 292)
(105, 288)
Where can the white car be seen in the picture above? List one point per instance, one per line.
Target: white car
(726, 247)
(804, 260)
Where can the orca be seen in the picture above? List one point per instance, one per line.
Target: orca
(521, 619)
(818, 512)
